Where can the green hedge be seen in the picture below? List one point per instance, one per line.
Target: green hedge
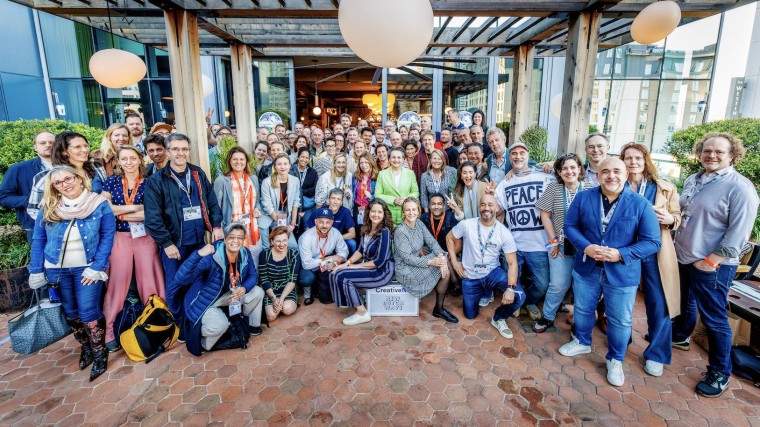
(681, 146)
(16, 138)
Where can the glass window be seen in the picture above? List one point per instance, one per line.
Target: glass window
(690, 50)
(68, 47)
(466, 92)
(673, 109)
(135, 98)
(158, 63)
(412, 94)
(163, 103)
(272, 88)
(24, 97)
(504, 90)
(19, 50)
(78, 100)
(628, 114)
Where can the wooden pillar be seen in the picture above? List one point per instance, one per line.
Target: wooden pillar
(242, 94)
(522, 73)
(185, 67)
(580, 62)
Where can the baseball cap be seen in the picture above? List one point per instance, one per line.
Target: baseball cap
(323, 213)
(161, 126)
(518, 144)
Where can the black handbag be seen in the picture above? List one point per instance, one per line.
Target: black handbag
(127, 316)
(237, 335)
(746, 363)
(38, 327)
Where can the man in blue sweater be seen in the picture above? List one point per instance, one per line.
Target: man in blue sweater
(17, 181)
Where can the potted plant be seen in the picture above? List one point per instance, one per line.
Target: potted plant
(15, 293)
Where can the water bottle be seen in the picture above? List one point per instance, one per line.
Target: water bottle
(54, 294)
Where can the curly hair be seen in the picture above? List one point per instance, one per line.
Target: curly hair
(560, 162)
(367, 229)
(737, 145)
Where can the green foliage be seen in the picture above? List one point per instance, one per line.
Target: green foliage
(14, 251)
(681, 146)
(504, 126)
(536, 137)
(16, 138)
(219, 162)
(592, 129)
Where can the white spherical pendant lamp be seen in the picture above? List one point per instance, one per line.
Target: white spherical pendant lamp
(655, 22)
(555, 106)
(116, 68)
(317, 111)
(388, 33)
(208, 85)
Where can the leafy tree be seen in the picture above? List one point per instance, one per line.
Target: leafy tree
(536, 137)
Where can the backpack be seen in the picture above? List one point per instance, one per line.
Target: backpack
(152, 333)
(746, 363)
(236, 336)
(127, 316)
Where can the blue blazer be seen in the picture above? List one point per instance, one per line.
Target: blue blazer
(633, 230)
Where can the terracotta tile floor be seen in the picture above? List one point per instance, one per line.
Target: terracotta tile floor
(311, 370)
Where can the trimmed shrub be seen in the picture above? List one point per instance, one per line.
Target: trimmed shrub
(536, 137)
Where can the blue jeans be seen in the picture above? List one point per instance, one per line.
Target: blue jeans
(174, 295)
(618, 301)
(77, 299)
(474, 289)
(307, 278)
(560, 280)
(351, 243)
(659, 325)
(707, 292)
(538, 265)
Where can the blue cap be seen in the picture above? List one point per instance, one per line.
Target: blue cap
(324, 213)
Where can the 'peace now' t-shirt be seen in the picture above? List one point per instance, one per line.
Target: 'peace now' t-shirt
(518, 198)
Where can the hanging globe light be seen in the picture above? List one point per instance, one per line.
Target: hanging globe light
(655, 22)
(380, 44)
(116, 68)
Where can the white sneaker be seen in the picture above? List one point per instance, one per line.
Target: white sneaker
(653, 368)
(502, 327)
(574, 348)
(357, 319)
(485, 301)
(615, 374)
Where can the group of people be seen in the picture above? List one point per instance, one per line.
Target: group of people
(332, 212)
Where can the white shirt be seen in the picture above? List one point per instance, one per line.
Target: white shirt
(309, 247)
(501, 241)
(518, 198)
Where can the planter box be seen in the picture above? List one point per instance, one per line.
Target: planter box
(15, 293)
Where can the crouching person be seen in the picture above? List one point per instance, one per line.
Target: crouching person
(219, 275)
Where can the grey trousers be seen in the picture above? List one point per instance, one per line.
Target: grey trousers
(214, 322)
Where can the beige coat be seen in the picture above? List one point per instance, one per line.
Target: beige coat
(667, 198)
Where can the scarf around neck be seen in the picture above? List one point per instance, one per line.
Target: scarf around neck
(83, 207)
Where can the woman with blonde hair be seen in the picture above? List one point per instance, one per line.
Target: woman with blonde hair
(280, 199)
(116, 136)
(134, 251)
(338, 177)
(73, 236)
(439, 178)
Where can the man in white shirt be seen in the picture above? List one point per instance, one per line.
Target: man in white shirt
(321, 248)
(517, 197)
(482, 240)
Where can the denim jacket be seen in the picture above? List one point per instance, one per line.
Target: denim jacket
(98, 231)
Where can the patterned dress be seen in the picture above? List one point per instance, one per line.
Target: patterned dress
(276, 274)
(412, 270)
(345, 283)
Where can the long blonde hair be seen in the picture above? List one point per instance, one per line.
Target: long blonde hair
(107, 149)
(275, 177)
(333, 172)
(52, 197)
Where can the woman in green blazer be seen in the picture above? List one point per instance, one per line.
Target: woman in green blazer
(396, 184)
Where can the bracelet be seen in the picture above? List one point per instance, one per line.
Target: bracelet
(121, 217)
(349, 261)
(711, 264)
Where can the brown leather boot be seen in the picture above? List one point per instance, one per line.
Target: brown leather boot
(97, 332)
(80, 333)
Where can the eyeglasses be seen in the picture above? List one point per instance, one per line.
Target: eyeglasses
(179, 150)
(65, 181)
(234, 237)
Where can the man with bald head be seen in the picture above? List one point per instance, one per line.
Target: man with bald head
(613, 228)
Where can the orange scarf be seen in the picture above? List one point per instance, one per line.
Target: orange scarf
(247, 206)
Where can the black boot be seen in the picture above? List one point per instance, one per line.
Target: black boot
(97, 332)
(85, 357)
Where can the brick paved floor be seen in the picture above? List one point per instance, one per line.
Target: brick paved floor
(311, 370)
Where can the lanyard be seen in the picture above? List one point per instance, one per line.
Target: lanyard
(322, 246)
(127, 199)
(606, 218)
(409, 162)
(483, 246)
(437, 230)
(436, 184)
(642, 187)
(234, 274)
(244, 184)
(302, 175)
(567, 198)
(471, 192)
(186, 190)
(698, 187)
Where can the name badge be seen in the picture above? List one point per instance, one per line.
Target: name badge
(192, 213)
(360, 217)
(236, 307)
(480, 268)
(246, 219)
(137, 229)
(282, 220)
